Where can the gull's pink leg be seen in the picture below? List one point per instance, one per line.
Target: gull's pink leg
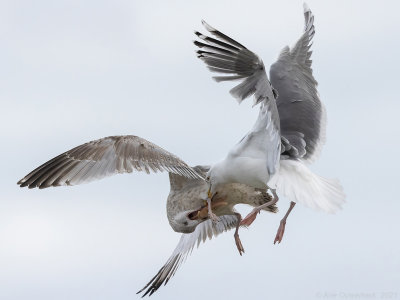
(211, 215)
(253, 214)
(281, 229)
(236, 235)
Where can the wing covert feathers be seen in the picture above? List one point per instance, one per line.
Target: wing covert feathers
(105, 157)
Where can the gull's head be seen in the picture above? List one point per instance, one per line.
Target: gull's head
(182, 223)
(187, 221)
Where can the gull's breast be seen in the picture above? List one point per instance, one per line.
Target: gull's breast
(250, 171)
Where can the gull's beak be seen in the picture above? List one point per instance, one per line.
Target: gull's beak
(202, 212)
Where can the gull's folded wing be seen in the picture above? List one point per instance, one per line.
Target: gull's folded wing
(204, 230)
(105, 157)
(301, 113)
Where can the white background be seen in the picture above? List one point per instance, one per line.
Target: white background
(74, 71)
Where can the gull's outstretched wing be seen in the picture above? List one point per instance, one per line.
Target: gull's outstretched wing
(302, 127)
(105, 157)
(301, 113)
(204, 230)
(225, 55)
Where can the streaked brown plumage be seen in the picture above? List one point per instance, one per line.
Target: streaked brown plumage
(124, 154)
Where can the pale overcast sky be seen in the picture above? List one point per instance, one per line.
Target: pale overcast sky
(74, 71)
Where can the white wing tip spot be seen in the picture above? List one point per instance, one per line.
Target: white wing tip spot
(207, 26)
(306, 8)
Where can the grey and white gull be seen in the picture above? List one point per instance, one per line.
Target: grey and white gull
(289, 131)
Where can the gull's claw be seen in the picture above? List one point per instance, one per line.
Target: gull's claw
(239, 244)
(280, 232)
(213, 217)
(236, 235)
(282, 225)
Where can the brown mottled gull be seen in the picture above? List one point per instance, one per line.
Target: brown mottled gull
(187, 211)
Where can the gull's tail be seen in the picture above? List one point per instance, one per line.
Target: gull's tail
(296, 182)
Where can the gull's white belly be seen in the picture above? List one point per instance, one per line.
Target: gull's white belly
(249, 171)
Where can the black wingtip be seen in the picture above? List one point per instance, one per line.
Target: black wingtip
(198, 44)
(24, 184)
(141, 291)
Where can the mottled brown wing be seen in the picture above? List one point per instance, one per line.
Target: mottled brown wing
(105, 157)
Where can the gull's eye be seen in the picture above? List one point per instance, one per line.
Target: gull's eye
(208, 178)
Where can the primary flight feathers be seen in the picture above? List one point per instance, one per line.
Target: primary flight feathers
(225, 55)
(204, 230)
(105, 157)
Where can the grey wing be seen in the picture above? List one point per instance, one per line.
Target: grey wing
(105, 157)
(302, 115)
(227, 56)
(185, 246)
